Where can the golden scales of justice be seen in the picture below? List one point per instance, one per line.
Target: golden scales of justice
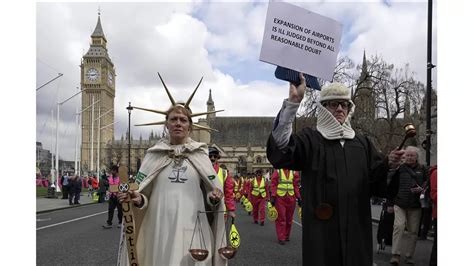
(227, 252)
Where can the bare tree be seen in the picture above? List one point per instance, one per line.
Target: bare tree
(394, 92)
(386, 98)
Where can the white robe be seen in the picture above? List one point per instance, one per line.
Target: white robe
(169, 223)
(174, 192)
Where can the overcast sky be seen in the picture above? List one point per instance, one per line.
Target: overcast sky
(142, 40)
(184, 41)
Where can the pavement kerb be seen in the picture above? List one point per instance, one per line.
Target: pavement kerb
(65, 207)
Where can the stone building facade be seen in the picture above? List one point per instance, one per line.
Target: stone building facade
(240, 140)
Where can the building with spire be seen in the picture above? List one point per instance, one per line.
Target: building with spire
(364, 115)
(210, 106)
(98, 85)
(241, 140)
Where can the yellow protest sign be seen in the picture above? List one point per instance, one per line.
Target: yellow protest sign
(234, 236)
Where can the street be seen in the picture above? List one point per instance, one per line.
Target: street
(78, 242)
(75, 237)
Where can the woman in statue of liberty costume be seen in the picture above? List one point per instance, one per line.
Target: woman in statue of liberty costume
(176, 180)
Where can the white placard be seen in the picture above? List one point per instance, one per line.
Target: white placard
(301, 40)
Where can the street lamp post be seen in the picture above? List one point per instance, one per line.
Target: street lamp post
(57, 138)
(52, 147)
(59, 75)
(430, 66)
(129, 108)
(78, 114)
(92, 139)
(98, 139)
(106, 126)
(76, 141)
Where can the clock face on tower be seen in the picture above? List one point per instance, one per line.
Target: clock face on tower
(110, 78)
(92, 74)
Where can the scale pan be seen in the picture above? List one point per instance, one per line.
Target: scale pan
(199, 254)
(227, 252)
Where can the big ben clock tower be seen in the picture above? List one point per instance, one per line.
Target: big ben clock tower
(98, 85)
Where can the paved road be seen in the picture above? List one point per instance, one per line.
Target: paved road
(74, 236)
(259, 245)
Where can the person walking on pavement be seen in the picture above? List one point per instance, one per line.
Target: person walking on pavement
(95, 183)
(247, 186)
(113, 201)
(244, 190)
(258, 197)
(404, 189)
(434, 199)
(226, 181)
(103, 187)
(285, 193)
(90, 190)
(341, 172)
(75, 187)
(65, 186)
(426, 217)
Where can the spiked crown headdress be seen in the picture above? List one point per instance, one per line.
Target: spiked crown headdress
(174, 103)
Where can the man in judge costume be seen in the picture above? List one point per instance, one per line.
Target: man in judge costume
(176, 180)
(339, 173)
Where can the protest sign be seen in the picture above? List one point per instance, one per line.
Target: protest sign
(301, 40)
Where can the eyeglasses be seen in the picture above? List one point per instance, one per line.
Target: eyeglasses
(334, 104)
(213, 156)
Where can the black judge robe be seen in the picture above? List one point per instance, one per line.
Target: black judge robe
(345, 177)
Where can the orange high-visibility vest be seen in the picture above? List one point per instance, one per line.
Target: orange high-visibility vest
(285, 184)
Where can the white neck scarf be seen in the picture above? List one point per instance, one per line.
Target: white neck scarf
(330, 128)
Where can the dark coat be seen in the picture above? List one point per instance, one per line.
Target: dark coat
(103, 185)
(404, 178)
(75, 186)
(348, 176)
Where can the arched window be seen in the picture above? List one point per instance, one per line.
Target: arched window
(242, 160)
(259, 160)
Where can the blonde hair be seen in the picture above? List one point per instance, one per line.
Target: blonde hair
(179, 108)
